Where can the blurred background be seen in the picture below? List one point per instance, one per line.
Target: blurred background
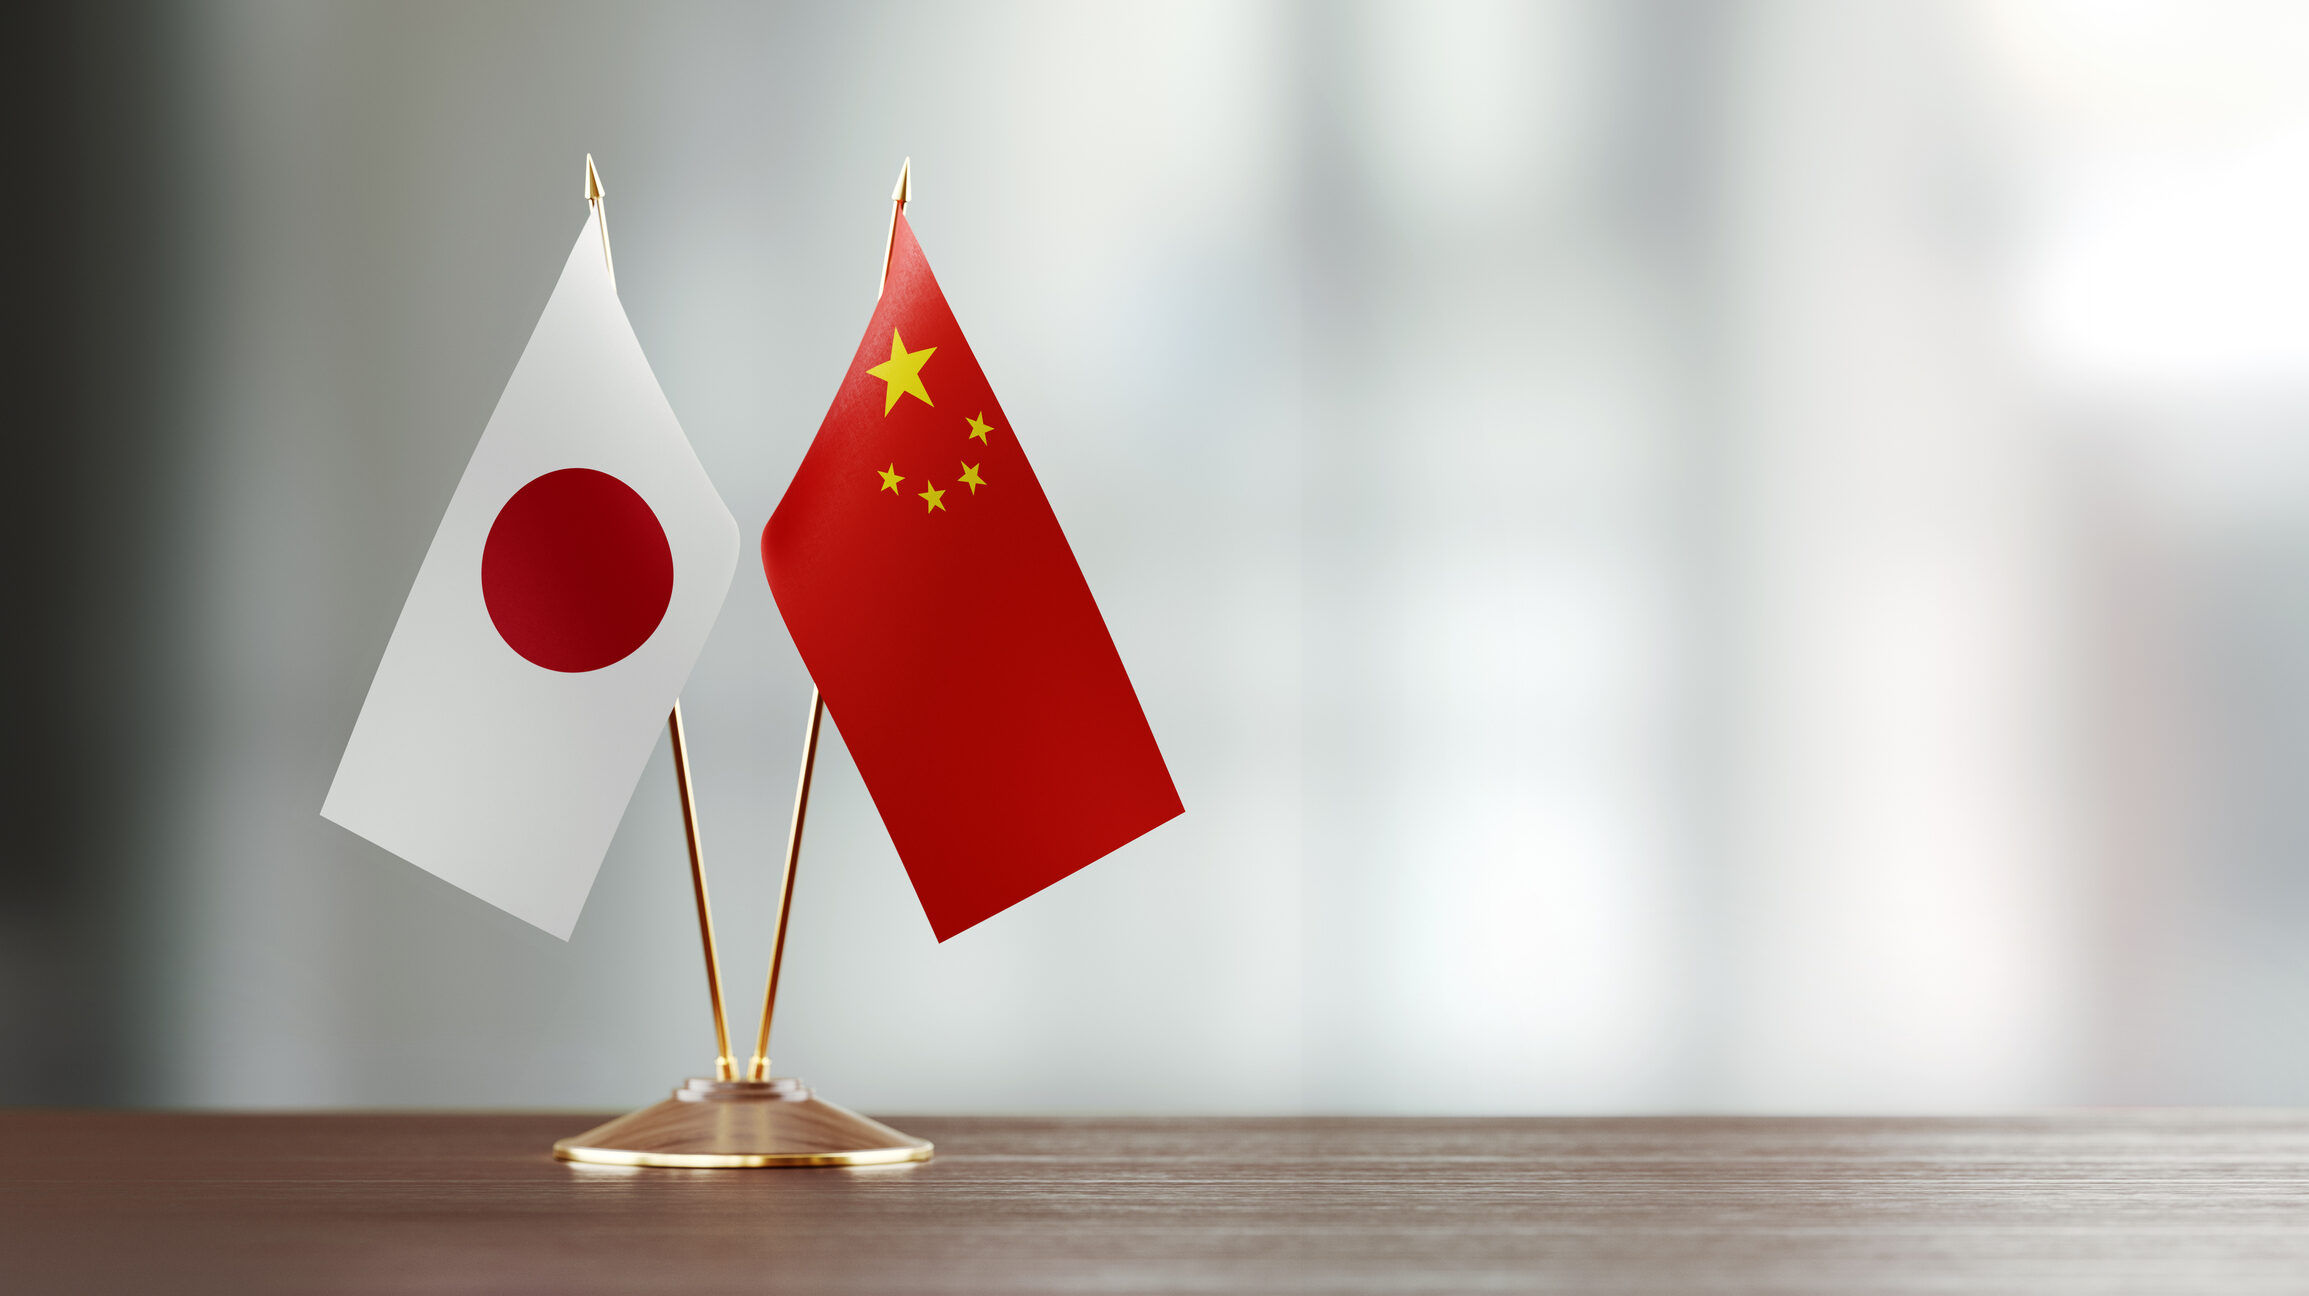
(1685, 556)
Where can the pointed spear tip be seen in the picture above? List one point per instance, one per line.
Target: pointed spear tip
(904, 191)
(592, 181)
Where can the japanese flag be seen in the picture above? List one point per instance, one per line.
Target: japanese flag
(581, 563)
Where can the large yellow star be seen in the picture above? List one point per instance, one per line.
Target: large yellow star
(936, 497)
(979, 427)
(971, 478)
(902, 373)
(890, 478)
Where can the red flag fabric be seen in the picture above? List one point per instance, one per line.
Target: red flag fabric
(935, 600)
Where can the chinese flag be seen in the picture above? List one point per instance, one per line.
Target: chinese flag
(934, 598)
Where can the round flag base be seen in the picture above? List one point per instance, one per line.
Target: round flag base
(742, 1124)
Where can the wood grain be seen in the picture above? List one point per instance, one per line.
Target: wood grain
(2089, 1202)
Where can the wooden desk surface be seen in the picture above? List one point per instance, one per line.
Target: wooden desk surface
(2164, 1202)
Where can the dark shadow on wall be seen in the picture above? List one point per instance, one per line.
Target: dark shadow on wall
(94, 275)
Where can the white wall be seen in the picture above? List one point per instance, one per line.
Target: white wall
(1608, 575)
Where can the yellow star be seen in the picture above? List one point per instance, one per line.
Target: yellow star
(936, 497)
(971, 478)
(979, 427)
(890, 478)
(902, 373)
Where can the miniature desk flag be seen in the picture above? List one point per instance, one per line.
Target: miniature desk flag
(571, 585)
(937, 605)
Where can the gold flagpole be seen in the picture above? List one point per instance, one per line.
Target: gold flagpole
(725, 1067)
(758, 1068)
(727, 1123)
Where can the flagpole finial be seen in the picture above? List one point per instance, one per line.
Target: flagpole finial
(601, 215)
(898, 197)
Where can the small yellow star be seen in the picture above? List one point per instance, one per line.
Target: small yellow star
(936, 497)
(971, 478)
(902, 373)
(890, 478)
(979, 427)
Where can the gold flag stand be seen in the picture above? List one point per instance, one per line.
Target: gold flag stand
(726, 1123)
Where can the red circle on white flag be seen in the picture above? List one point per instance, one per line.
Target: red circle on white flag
(576, 572)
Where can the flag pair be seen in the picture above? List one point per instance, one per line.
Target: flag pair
(583, 560)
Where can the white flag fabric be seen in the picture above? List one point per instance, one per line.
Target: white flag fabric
(582, 561)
